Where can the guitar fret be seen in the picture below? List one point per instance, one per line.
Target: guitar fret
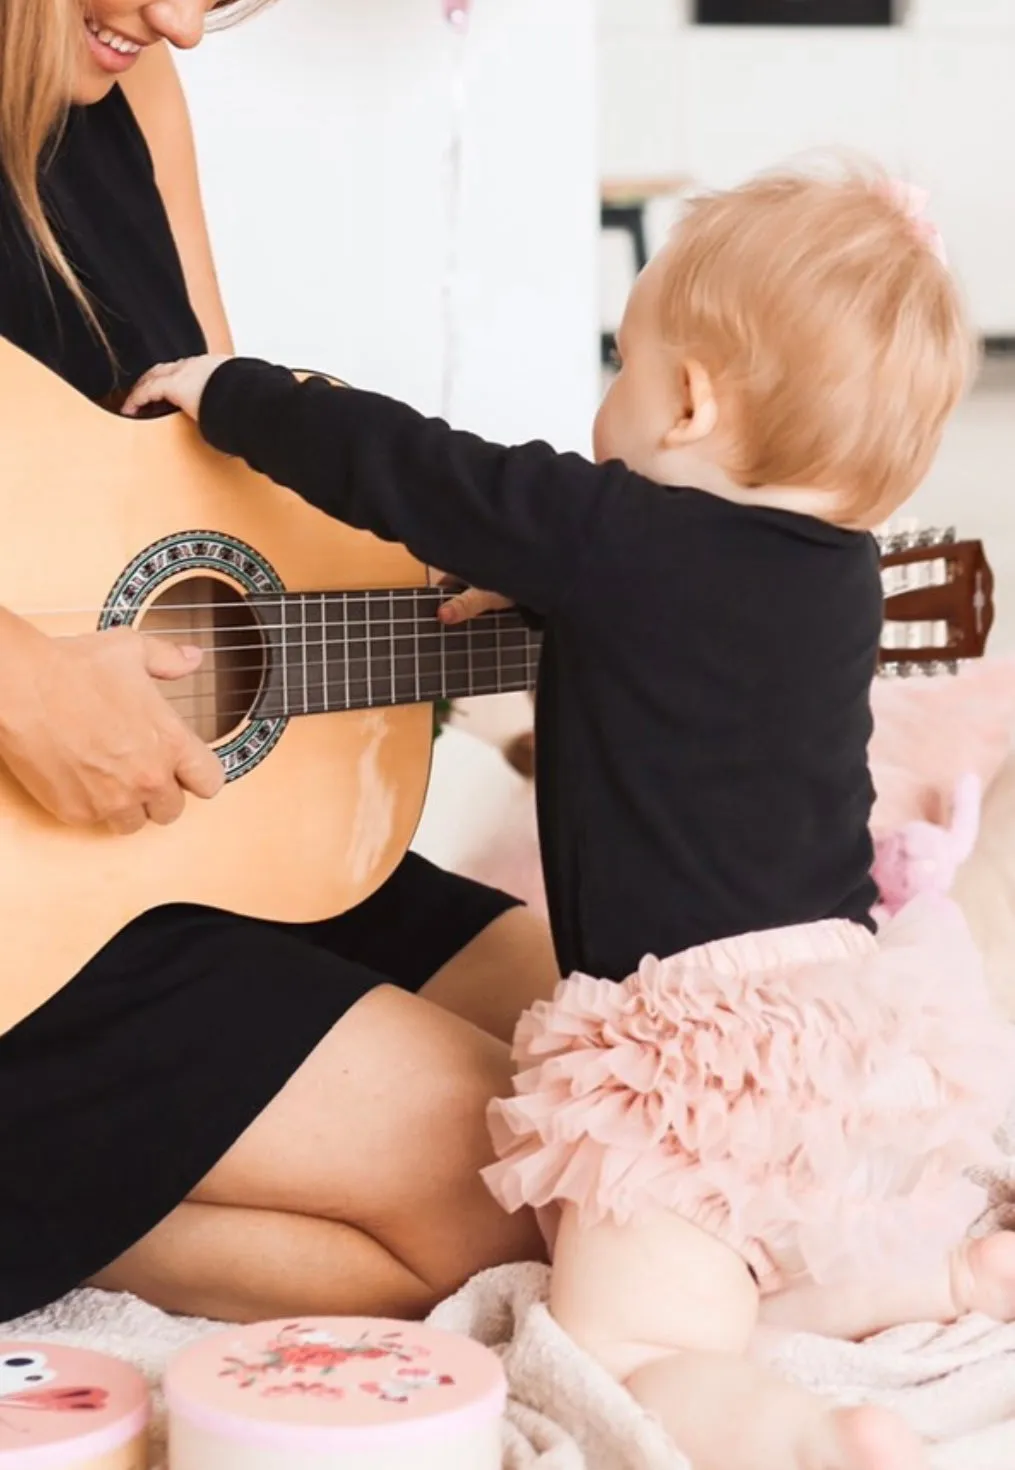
(483, 663)
(355, 650)
(443, 684)
(345, 650)
(404, 654)
(283, 603)
(325, 692)
(296, 632)
(369, 660)
(303, 651)
(312, 661)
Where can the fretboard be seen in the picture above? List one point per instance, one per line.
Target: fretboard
(357, 650)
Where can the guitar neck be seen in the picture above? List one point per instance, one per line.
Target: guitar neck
(328, 651)
(332, 651)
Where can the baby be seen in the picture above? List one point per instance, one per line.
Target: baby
(772, 1121)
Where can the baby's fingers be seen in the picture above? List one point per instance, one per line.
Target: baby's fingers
(155, 387)
(471, 603)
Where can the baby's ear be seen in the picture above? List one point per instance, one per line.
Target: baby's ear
(698, 407)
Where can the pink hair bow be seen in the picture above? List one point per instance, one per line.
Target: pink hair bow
(913, 202)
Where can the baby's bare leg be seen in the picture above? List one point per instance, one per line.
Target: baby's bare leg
(670, 1312)
(977, 1276)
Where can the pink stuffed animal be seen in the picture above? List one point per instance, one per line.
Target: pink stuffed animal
(923, 858)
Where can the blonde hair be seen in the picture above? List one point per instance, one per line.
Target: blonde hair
(40, 49)
(829, 325)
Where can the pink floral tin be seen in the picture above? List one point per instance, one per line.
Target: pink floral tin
(363, 1393)
(63, 1408)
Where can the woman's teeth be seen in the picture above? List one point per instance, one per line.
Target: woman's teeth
(115, 42)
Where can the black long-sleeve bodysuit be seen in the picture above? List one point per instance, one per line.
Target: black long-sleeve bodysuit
(703, 708)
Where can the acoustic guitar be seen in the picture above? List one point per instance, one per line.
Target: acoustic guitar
(323, 655)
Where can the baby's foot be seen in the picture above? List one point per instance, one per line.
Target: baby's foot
(866, 1439)
(982, 1276)
(726, 1413)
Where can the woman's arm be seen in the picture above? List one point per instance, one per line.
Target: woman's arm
(155, 93)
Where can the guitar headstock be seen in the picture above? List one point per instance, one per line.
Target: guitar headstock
(939, 601)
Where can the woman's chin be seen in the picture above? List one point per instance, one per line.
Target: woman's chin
(91, 85)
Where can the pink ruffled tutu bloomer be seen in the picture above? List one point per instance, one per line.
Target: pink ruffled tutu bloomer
(813, 1095)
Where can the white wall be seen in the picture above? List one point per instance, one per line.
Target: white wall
(933, 99)
(322, 127)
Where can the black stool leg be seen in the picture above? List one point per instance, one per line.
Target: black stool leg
(631, 219)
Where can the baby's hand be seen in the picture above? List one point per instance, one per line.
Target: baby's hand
(471, 603)
(180, 383)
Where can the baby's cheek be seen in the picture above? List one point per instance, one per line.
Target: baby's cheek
(607, 436)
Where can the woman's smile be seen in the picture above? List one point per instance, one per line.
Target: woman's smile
(114, 52)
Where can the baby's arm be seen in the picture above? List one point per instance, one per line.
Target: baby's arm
(518, 521)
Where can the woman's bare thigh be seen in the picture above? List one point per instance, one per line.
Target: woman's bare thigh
(507, 967)
(383, 1128)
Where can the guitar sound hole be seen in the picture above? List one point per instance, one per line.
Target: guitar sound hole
(212, 615)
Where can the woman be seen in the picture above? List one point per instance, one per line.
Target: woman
(221, 1115)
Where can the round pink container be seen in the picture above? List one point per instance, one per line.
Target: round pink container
(65, 1409)
(362, 1393)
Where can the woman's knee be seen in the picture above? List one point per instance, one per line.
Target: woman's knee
(248, 1265)
(384, 1129)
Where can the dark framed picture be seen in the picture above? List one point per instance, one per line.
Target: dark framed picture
(796, 12)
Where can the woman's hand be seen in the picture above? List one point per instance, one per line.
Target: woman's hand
(84, 728)
(180, 383)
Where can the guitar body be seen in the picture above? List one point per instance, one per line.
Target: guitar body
(98, 510)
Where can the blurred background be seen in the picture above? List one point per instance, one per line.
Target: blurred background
(329, 129)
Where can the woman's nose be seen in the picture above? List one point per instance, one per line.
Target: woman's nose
(180, 22)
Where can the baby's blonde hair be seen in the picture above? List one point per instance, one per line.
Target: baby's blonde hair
(831, 329)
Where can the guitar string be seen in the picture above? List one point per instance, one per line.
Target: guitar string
(327, 598)
(500, 624)
(515, 660)
(397, 644)
(310, 601)
(427, 628)
(509, 676)
(357, 664)
(373, 632)
(362, 647)
(261, 599)
(372, 628)
(516, 679)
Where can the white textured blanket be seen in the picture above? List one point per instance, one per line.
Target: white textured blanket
(955, 1384)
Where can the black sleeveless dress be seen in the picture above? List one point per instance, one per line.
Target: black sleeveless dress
(121, 1093)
